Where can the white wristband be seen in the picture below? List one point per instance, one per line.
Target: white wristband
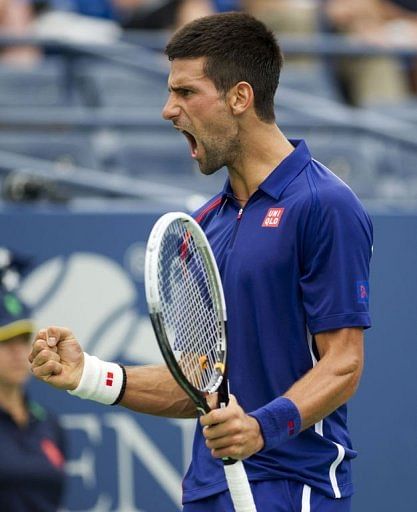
(100, 381)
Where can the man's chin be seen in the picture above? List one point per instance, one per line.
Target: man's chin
(208, 170)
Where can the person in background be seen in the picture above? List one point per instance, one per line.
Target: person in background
(160, 14)
(285, 16)
(227, 5)
(380, 80)
(401, 16)
(137, 14)
(16, 17)
(31, 440)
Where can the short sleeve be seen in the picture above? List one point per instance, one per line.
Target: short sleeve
(335, 263)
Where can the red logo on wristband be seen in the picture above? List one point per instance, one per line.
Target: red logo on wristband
(291, 427)
(109, 379)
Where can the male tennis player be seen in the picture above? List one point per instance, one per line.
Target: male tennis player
(293, 245)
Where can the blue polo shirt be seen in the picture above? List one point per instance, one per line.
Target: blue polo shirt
(294, 262)
(31, 462)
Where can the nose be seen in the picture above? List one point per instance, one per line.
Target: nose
(170, 110)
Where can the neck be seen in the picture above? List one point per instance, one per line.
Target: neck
(12, 401)
(242, 201)
(264, 147)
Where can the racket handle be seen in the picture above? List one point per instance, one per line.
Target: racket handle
(239, 487)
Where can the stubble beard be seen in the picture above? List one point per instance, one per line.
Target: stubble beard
(218, 153)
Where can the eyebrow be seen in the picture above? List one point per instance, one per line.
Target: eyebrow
(180, 88)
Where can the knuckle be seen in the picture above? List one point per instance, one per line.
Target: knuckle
(39, 373)
(49, 366)
(235, 426)
(235, 443)
(38, 345)
(234, 452)
(214, 417)
(46, 354)
(237, 440)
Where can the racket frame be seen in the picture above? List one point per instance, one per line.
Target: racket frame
(154, 304)
(235, 473)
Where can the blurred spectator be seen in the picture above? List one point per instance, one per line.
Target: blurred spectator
(96, 21)
(95, 8)
(295, 17)
(374, 80)
(189, 10)
(32, 461)
(16, 17)
(160, 14)
(227, 5)
(403, 14)
(135, 14)
(285, 16)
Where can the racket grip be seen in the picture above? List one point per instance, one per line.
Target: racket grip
(239, 487)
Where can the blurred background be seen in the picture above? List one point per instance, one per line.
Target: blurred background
(87, 165)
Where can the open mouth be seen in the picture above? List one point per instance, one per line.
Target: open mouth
(192, 143)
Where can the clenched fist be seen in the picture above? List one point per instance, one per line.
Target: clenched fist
(57, 358)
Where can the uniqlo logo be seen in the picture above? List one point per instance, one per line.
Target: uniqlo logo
(109, 379)
(273, 218)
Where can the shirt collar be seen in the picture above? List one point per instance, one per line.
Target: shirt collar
(283, 174)
(36, 412)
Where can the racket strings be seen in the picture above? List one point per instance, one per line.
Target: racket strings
(188, 307)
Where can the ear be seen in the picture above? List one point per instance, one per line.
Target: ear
(240, 98)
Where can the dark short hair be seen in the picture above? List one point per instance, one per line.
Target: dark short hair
(238, 47)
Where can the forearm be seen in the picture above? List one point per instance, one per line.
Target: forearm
(329, 384)
(318, 393)
(333, 380)
(153, 390)
(323, 389)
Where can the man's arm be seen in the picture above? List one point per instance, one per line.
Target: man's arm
(57, 359)
(153, 390)
(335, 377)
(230, 432)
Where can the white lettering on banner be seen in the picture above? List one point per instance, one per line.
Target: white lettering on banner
(84, 466)
(131, 439)
(187, 428)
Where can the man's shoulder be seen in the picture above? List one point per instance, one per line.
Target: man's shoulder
(210, 206)
(327, 189)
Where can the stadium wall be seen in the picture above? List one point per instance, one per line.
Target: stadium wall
(88, 274)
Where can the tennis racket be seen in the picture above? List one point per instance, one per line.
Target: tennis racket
(188, 313)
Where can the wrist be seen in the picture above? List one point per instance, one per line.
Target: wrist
(101, 381)
(278, 421)
(78, 374)
(257, 434)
